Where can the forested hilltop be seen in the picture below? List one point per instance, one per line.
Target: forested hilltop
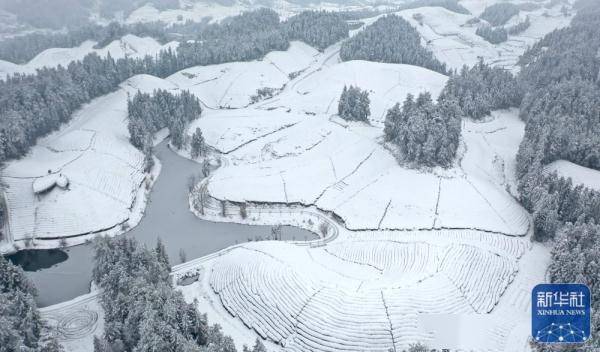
(35, 105)
(390, 39)
(557, 92)
(451, 5)
(317, 28)
(23, 48)
(561, 108)
(143, 311)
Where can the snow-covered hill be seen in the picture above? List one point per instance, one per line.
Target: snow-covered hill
(343, 168)
(105, 188)
(400, 247)
(455, 43)
(232, 85)
(406, 240)
(218, 10)
(318, 92)
(129, 45)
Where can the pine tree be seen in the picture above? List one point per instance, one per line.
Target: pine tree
(19, 316)
(161, 253)
(148, 157)
(143, 312)
(198, 147)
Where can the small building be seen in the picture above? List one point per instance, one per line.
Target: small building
(48, 182)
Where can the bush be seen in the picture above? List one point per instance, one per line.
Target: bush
(243, 211)
(324, 229)
(263, 93)
(418, 347)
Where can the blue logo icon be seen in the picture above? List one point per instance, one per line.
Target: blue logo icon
(560, 313)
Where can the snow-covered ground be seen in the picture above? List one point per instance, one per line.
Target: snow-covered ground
(75, 323)
(105, 188)
(284, 155)
(105, 182)
(493, 145)
(231, 85)
(440, 256)
(371, 291)
(318, 92)
(580, 175)
(407, 247)
(196, 11)
(206, 9)
(130, 45)
(455, 43)
(410, 245)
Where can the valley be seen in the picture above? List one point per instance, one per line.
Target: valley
(375, 253)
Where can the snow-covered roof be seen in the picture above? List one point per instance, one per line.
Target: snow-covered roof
(46, 183)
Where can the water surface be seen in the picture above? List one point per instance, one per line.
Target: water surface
(60, 275)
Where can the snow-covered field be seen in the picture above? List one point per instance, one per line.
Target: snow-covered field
(75, 323)
(318, 92)
(199, 10)
(231, 85)
(101, 188)
(362, 292)
(104, 190)
(440, 256)
(493, 145)
(410, 244)
(455, 43)
(130, 45)
(317, 160)
(196, 11)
